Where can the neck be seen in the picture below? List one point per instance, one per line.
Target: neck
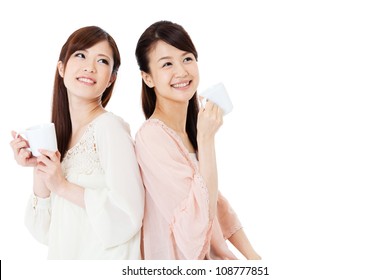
(82, 114)
(173, 115)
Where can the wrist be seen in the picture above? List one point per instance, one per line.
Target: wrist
(205, 139)
(253, 256)
(62, 187)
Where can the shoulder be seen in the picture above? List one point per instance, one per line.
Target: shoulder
(155, 134)
(155, 130)
(108, 123)
(155, 142)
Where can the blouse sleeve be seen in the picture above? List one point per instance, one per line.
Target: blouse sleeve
(37, 218)
(176, 188)
(116, 211)
(227, 218)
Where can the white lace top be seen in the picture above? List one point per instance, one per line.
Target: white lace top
(104, 163)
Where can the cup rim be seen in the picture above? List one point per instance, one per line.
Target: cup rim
(39, 126)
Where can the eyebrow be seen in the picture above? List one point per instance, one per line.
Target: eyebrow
(170, 57)
(102, 54)
(99, 54)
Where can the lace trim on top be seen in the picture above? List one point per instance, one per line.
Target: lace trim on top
(83, 158)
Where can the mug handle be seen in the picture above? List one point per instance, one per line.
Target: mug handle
(21, 133)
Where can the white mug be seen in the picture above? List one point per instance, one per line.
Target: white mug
(42, 136)
(219, 96)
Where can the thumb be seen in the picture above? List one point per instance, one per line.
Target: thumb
(203, 102)
(14, 134)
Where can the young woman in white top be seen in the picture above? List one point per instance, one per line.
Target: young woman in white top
(88, 199)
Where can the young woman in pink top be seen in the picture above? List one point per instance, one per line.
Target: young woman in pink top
(186, 217)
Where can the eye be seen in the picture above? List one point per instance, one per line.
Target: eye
(80, 55)
(104, 61)
(188, 59)
(167, 64)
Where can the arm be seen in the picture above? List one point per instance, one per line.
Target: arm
(37, 216)
(38, 211)
(208, 170)
(241, 242)
(209, 121)
(232, 229)
(50, 173)
(116, 211)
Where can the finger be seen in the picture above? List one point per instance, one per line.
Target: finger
(220, 115)
(40, 168)
(32, 161)
(20, 145)
(209, 105)
(16, 135)
(14, 141)
(203, 102)
(43, 160)
(18, 139)
(58, 155)
(24, 153)
(219, 112)
(17, 146)
(50, 154)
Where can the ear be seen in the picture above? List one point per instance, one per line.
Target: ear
(147, 78)
(112, 79)
(60, 67)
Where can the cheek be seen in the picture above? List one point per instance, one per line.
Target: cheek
(106, 75)
(66, 78)
(195, 69)
(195, 73)
(162, 78)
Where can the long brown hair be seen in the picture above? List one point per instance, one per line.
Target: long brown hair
(81, 39)
(176, 36)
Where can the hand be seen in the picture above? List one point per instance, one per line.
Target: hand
(21, 154)
(49, 170)
(210, 119)
(254, 256)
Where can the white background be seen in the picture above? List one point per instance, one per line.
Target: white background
(303, 158)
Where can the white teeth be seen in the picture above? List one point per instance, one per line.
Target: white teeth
(180, 85)
(85, 80)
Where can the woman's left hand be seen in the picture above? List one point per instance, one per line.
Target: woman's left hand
(49, 170)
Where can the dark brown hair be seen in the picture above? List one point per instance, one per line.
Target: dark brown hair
(81, 39)
(176, 36)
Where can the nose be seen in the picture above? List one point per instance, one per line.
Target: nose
(181, 71)
(89, 67)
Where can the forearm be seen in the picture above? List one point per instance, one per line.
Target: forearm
(39, 187)
(241, 242)
(208, 170)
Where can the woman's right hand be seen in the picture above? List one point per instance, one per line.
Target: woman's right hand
(22, 156)
(210, 119)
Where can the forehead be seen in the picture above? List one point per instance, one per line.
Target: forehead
(164, 50)
(101, 48)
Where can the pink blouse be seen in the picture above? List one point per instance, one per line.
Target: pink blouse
(176, 222)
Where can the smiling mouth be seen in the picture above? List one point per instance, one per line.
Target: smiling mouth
(86, 80)
(181, 85)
